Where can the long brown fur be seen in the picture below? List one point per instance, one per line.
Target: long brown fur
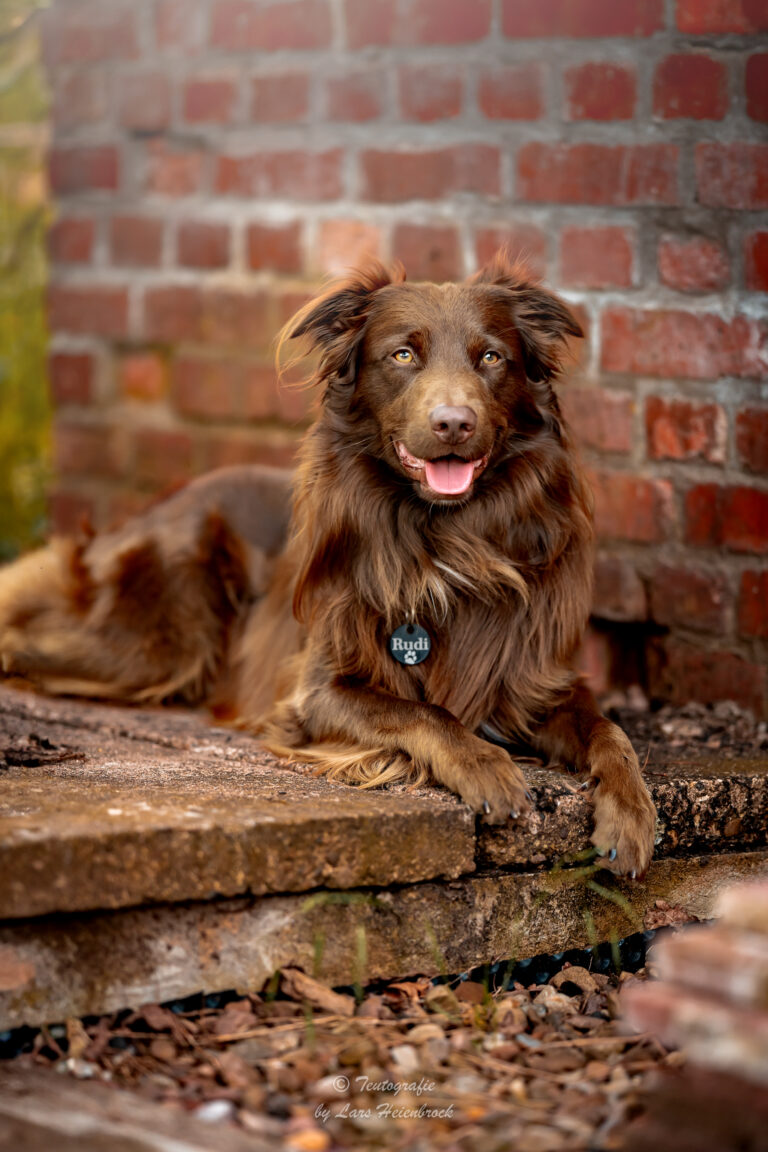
(200, 599)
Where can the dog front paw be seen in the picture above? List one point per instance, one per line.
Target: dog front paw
(625, 816)
(488, 780)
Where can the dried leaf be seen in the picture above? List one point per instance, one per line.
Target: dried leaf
(299, 986)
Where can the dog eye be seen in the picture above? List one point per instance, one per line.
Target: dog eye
(490, 357)
(403, 356)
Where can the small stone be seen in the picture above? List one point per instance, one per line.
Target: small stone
(581, 978)
(308, 1140)
(215, 1111)
(405, 1056)
(423, 1032)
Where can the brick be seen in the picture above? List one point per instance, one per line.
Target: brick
(356, 97)
(208, 389)
(526, 242)
(689, 598)
(514, 92)
(389, 177)
(733, 517)
(708, 17)
(142, 376)
(173, 171)
(101, 311)
(691, 345)
(136, 241)
(683, 430)
(70, 512)
(446, 21)
(275, 246)
(280, 99)
(243, 26)
(265, 397)
(173, 313)
(83, 168)
(429, 92)
(690, 85)
(70, 376)
(594, 660)
(177, 26)
(693, 264)
(732, 175)
(599, 418)
(598, 91)
(753, 604)
(144, 101)
(369, 24)
(619, 593)
(237, 448)
(708, 676)
(578, 18)
(292, 175)
(85, 450)
(596, 257)
(598, 173)
(203, 244)
(183, 312)
(79, 98)
(756, 86)
(756, 261)
(631, 507)
(344, 244)
(70, 240)
(162, 458)
(209, 100)
(429, 251)
(88, 32)
(752, 438)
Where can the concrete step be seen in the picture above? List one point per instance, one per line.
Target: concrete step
(148, 855)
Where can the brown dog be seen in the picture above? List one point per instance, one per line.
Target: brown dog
(433, 588)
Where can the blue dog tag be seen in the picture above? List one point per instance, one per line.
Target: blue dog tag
(410, 644)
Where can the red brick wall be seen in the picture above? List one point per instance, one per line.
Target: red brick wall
(213, 158)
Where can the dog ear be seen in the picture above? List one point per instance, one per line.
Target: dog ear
(543, 321)
(334, 322)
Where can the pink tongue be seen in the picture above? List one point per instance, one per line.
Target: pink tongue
(449, 476)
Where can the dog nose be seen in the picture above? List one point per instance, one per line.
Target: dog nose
(453, 425)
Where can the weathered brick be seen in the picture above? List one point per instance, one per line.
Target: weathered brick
(98, 310)
(162, 458)
(70, 375)
(600, 91)
(525, 242)
(83, 168)
(753, 604)
(445, 21)
(136, 241)
(512, 92)
(392, 176)
(710, 17)
(88, 31)
(209, 389)
(292, 175)
(344, 244)
(707, 675)
(631, 507)
(372, 23)
(356, 96)
(209, 100)
(756, 86)
(69, 512)
(280, 99)
(686, 344)
(752, 438)
(619, 593)
(144, 101)
(693, 264)
(735, 517)
(689, 598)
(598, 173)
(756, 261)
(596, 257)
(429, 92)
(177, 26)
(265, 397)
(242, 26)
(526, 18)
(692, 85)
(732, 175)
(684, 430)
(85, 449)
(599, 418)
(429, 251)
(183, 312)
(594, 660)
(79, 98)
(173, 313)
(172, 170)
(203, 244)
(275, 246)
(142, 376)
(70, 240)
(224, 450)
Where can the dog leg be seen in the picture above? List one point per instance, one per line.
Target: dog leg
(482, 774)
(577, 733)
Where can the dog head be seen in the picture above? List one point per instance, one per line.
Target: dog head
(442, 382)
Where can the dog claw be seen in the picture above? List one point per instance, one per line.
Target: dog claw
(583, 787)
(514, 813)
(612, 854)
(529, 797)
(486, 807)
(634, 874)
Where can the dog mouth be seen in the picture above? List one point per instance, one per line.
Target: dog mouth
(449, 475)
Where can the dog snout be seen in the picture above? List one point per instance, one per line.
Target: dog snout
(453, 425)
